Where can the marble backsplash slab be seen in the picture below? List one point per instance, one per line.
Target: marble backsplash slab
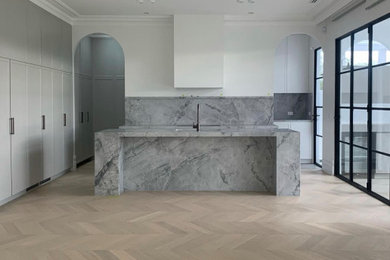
(214, 111)
(293, 106)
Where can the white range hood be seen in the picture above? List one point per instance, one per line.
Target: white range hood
(198, 51)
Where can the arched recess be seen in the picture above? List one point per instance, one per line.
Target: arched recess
(298, 88)
(99, 80)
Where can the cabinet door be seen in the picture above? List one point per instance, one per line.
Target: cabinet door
(68, 111)
(89, 120)
(19, 140)
(5, 148)
(305, 128)
(47, 133)
(58, 121)
(34, 125)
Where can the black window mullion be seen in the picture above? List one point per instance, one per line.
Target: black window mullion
(315, 107)
(369, 123)
(371, 137)
(337, 109)
(316, 52)
(351, 102)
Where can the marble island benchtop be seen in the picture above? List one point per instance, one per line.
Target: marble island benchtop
(246, 158)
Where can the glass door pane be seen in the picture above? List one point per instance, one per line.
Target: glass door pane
(381, 43)
(319, 92)
(381, 131)
(360, 52)
(381, 175)
(345, 89)
(360, 166)
(360, 88)
(381, 87)
(344, 160)
(345, 55)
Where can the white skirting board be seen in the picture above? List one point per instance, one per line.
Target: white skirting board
(20, 194)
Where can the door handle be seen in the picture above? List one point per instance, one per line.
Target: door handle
(43, 122)
(82, 117)
(64, 119)
(12, 126)
(87, 116)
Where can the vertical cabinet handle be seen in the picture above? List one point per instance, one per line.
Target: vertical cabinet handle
(82, 117)
(87, 116)
(12, 126)
(43, 122)
(64, 119)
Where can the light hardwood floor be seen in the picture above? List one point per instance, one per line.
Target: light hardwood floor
(63, 220)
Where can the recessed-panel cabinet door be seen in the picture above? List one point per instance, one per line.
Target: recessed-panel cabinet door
(68, 110)
(58, 121)
(33, 33)
(47, 121)
(89, 119)
(34, 123)
(13, 29)
(5, 149)
(19, 139)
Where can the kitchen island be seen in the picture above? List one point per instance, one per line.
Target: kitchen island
(260, 159)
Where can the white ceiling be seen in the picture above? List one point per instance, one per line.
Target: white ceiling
(265, 10)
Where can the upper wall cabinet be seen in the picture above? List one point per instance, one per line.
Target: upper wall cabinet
(198, 51)
(13, 32)
(66, 47)
(34, 34)
(292, 65)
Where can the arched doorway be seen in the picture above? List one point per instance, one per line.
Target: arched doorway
(298, 88)
(99, 90)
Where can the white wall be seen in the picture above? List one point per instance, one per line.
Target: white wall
(351, 21)
(148, 47)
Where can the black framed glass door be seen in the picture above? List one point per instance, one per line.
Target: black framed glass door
(363, 108)
(318, 104)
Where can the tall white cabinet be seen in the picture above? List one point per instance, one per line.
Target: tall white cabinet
(47, 107)
(19, 126)
(5, 147)
(36, 97)
(67, 97)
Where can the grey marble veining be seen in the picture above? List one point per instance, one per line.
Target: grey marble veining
(300, 104)
(162, 159)
(175, 111)
(199, 164)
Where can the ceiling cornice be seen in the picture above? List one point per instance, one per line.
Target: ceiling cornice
(58, 9)
(87, 19)
(332, 9)
(69, 15)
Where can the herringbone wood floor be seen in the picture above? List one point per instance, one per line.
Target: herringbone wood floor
(63, 220)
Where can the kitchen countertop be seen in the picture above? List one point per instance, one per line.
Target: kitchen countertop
(186, 131)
